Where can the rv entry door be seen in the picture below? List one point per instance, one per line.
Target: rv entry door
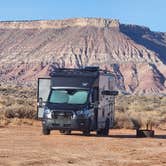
(44, 85)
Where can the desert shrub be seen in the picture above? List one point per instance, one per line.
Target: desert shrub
(18, 121)
(17, 102)
(4, 122)
(122, 120)
(137, 111)
(20, 101)
(20, 111)
(120, 108)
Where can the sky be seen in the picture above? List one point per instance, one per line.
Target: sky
(150, 13)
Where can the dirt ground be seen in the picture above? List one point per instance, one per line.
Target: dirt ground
(26, 146)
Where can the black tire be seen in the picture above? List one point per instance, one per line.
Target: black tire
(105, 131)
(68, 132)
(99, 132)
(65, 132)
(62, 131)
(145, 133)
(86, 132)
(46, 131)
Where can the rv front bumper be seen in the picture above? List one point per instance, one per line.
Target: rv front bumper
(66, 123)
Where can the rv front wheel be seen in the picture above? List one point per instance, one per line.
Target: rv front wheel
(99, 132)
(46, 131)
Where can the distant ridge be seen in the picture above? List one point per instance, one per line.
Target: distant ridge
(135, 54)
(44, 24)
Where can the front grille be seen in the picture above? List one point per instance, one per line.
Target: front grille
(56, 124)
(56, 114)
(67, 125)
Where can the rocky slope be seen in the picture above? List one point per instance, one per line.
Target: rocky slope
(136, 55)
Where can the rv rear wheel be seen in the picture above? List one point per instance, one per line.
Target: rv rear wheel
(105, 131)
(46, 131)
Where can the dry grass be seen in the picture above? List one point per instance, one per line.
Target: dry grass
(17, 104)
(137, 111)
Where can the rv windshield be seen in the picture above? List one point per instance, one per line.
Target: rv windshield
(68, 96)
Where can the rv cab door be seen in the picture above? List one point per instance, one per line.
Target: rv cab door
(44, 85)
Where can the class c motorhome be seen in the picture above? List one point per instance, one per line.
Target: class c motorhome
(77, 99)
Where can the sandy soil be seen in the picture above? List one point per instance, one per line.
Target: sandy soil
(25, 145)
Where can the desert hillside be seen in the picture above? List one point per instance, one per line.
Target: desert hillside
(135, 54)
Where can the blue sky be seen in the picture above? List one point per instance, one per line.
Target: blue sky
(149, 13)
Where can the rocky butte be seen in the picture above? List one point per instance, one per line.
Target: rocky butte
(135, 54)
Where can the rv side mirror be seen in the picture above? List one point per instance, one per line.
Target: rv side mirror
(91, 105)
(40, 102)
(111, 93)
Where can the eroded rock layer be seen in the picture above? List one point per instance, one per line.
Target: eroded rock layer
(136, 55)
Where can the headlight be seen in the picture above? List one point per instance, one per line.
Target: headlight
(85, 113)
(80, 112)
(74, 115)
(47, 113)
